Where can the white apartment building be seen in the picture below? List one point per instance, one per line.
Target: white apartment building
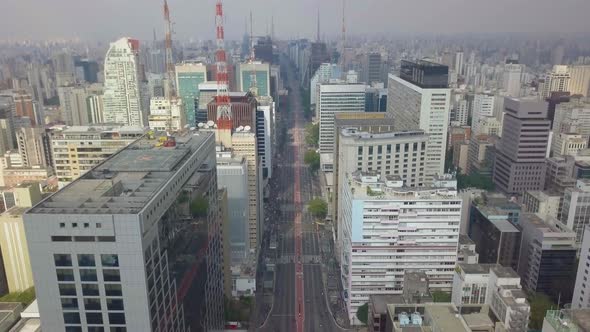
(265, 123)
(335, 98)
(581, 298)
(579, 80)
(557, 80)
(570, 118)
(416, 105)
(167, 114)
(576, 208)
(325, 72)
(122, 85)
(483, 108)
(388, 229)
(119, 249)
(495, 285)
(569, 144)
(76, 150)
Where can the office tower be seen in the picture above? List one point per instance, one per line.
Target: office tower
(318, 54)
(579, 80)
(95, 103)
(520, 157)
(483, 107)
(243, 143)
(243, 108)
(325, 72)
(89, 70)
(512, 78)
(73, 105)
(555, 81)
(263, 50)
(166, 114)
(372, 70)
(497, 286)
(375, 251)
(156, 60)
(419, 98)
(122, 84)
(222, 203)
(337, 98)
(545, 204)
(363, 122)
(24, 107)
(265, 114)
(492, 228)
(76, 150)
(207, 93)
(7, 131)
(581, 298)
(547, 257)
(13, 242)
(232, 174)
(244, 77)
(459, 62)
(570, 117)
(376, 98)
(130, 237)
(188, 77)
(63, 66)
(576, 208)
(32, 144)
(460, 113)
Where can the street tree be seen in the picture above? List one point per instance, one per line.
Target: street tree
(318, 208)
(312, 159)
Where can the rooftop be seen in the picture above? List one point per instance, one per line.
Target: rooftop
(125, 182)
(364, 135)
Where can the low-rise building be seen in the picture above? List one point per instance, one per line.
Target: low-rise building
(543, 203)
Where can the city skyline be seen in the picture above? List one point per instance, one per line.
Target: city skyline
(291, 18)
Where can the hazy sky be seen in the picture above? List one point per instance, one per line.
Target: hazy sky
(109, 19)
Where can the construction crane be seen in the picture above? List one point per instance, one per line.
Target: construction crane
(224, 116)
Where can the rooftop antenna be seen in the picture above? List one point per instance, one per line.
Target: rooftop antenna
(224, 119)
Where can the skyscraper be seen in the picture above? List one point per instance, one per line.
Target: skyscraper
(557, 80)
(419, 98)
(512, 77)
(520, 156)
(122, 84)
(120, 248)
(188, 77)
(244, 77)
(459, 62)
(483, 107)
(579, 80)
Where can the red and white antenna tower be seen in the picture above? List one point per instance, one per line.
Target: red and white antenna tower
(224, 120)
(169, 58)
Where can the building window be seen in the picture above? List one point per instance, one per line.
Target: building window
(65, 275)
(67, 289)
(71, 318)
(92, 304)
(88, 275)
(68, 303)
(111, 275)
(116, 318)
(94, 318)
(113, 290)
(73, 329)
(90, 289)
(62, 259)
(110, 260)
(95, 328)
(86, 260)
(115, 304)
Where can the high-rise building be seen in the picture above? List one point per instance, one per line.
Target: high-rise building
(244, 77)
(547, 257)
(459, 62)
(579, 80)
(520, 157)
(243, 143)
(207, 93)
(375, 250)
(372, 70)
(122, 85)
(324, 74)
(497, 286)
(265, 119)
(483, 107)
(232, 174)
(24, 107)
(7, 131)
(64, 67)
(581, 297)
(570, 117)
(419, 98)
(166, 114)
(188, 77)
(95, 103)
(76, 150)
(575, 213)
(32, 145)
(460, 113)
(73, 105)
(337, 98)
(512, 78)
(134, 244)
(13, 242)
(557, 80)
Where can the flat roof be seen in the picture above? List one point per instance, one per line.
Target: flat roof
(476, 268)
(125, 182)
(380, 302)
(504, 226)
(443, 317)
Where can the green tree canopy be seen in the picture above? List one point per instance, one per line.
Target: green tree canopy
(312, 134)
(199, 207)
(318, 208)
(540, 303)
(474, 180)
(312, 159)
(363, 313)
(440, 296)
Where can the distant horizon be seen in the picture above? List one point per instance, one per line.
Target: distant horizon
(105, 20)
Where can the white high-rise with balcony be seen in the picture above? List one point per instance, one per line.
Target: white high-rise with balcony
(483, 107)
(122, 84)
(388, 229)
